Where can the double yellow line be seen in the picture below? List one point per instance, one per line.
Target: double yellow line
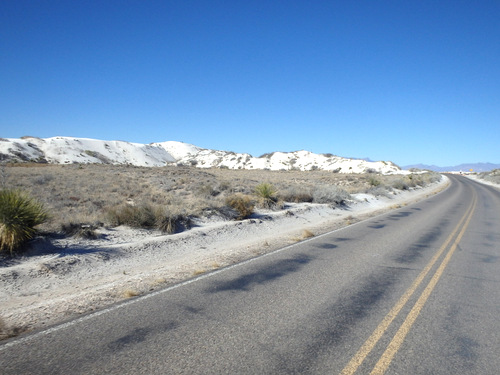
(393, 347)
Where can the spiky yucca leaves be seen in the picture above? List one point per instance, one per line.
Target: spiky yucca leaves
(19, 215)
(266, 194)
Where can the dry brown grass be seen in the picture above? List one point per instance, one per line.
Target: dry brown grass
(307, 234)
(129, 293)
(85, 193)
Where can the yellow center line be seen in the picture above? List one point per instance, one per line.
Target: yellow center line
(370, 343)
(386, 358)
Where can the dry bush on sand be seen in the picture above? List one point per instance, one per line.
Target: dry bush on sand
(242, 203)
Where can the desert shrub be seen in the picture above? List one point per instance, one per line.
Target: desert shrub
(80, 230)
(19, 215)
(378, 191)
(400, 184)
(265, 190)
(42, 180)
(427, 178)
(147, 216)
(493, 176)
(373, 181)
(208, 191)
(331, 194)
(170, 222)
(242, 204)
(266, 194)
(142, 216)
(434, 177)
(295, 194)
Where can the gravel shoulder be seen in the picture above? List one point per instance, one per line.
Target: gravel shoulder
(60, 279)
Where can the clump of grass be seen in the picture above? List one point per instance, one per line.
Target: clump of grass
(373, 181)
(400, 184)
(378, 191)
(331, 195)
(149, 217)
(350, 220)
(170, 222)
(208, 191)
(129, 293)
(296, 194)
(19, 215)
(87, 231)
(243, 204)
(307, 234)
(142, 216)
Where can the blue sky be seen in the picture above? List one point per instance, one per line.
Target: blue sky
(407, 81)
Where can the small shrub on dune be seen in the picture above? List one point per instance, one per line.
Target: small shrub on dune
(142, 216)
(208, 191)
(373, 181)
(19, 215)
(295, 195)
(146, 216)
(242, 204)
(400, 184)
(86, 231)
(266, 194)
(331, 195)
(170, 223)
(378, 191)
(265, 190)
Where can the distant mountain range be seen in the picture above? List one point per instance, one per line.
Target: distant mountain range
(68, 150)
(475, 167)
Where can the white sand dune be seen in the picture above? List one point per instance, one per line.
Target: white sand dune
(68, 150)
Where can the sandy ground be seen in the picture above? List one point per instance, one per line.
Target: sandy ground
(482, 181)
(63, 278)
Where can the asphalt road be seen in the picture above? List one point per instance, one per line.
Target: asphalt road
(414, 291)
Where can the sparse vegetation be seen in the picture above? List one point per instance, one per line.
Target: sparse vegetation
(400, 184)
(87, 231)
(331, 195)
(373, 181)
(171, 222)
(168, 198)
(295, 194)
(266, 194)
(142, 216)
(129, 293)
(19, 215)
(492, 176)
(243, 204)
(307, 234)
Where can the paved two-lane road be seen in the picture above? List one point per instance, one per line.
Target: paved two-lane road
(414, 291)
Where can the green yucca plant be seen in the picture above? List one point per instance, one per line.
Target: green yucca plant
(266, 194)
(19, 215)
(265, 191)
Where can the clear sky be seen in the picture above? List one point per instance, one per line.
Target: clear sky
(407, 81)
